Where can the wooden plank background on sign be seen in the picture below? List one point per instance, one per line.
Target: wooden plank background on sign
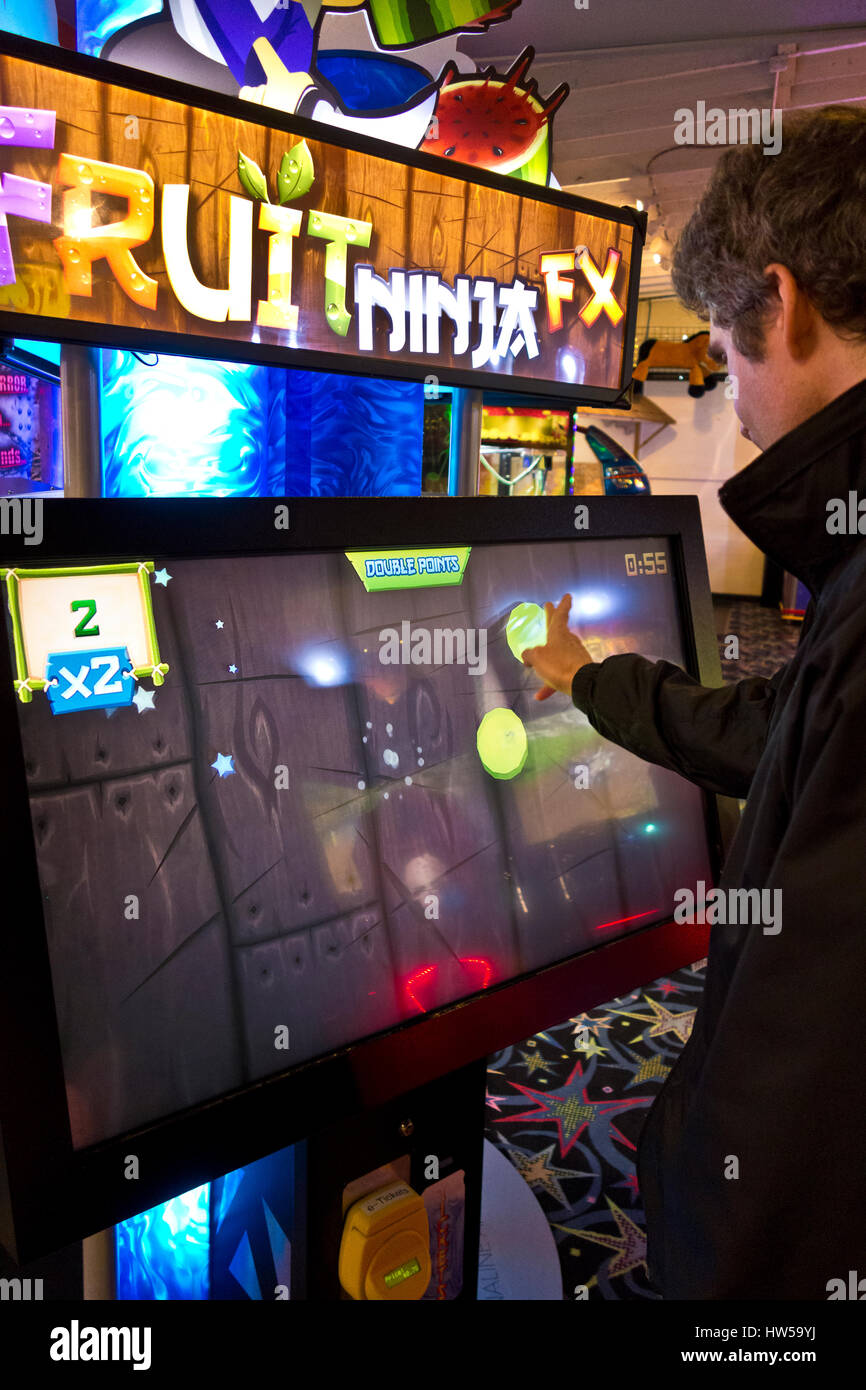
(422, 220)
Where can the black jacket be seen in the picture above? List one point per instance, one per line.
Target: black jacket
(774, 1072)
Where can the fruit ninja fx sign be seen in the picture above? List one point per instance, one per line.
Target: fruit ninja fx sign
(223, 229)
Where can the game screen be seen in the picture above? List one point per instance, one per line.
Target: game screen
(30, 453)
(285, 802)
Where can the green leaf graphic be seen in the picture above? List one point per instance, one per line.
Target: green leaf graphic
(252, 178)
(297, 174)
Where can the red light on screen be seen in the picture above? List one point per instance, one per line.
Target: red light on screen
(617, 920)
(416, 979)
(428, 972)
(485, 966)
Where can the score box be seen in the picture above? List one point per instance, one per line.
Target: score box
(89, 680)
(83, 621)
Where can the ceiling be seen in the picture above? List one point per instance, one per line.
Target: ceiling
(633, 64)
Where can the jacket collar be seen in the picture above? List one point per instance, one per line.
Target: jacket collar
(780, 499)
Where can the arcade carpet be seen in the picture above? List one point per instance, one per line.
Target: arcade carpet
(567, 1110)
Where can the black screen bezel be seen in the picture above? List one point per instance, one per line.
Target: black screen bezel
(55, 1194)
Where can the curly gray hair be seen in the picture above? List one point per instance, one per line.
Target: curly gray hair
(804, 208)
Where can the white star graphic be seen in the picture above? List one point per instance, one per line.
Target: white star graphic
(233, 670)
(220, 623)
(143, 699)
(223, 765)
(162, 577)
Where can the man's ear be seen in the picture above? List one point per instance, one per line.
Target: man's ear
(795, 315)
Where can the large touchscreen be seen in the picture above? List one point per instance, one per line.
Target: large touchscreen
(282, 803)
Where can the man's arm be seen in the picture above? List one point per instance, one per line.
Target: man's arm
(712, 737)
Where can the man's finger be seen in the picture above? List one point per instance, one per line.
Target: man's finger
(545, 692)
(558, 620)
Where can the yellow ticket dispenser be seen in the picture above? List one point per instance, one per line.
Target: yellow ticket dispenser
(385, 1250)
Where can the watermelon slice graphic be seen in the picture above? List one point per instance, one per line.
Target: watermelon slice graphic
(496, 122)
(400, 23)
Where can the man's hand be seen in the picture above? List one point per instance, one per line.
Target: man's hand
(562, 655)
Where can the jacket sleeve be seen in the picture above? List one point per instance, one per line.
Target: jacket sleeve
(712, 737)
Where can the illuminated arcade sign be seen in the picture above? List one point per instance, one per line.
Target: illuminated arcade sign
(125, 216)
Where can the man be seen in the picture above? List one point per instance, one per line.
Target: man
(751, 1161)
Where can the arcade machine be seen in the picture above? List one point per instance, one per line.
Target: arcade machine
(301, 869)
(795, 598)
(597, 458)
(31, 458)
(524, 451)
(299, 847)
(532, 451)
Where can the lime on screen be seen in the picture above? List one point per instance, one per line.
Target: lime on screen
(526, 627)
(502, 743)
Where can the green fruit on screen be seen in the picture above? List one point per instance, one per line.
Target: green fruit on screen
(502, 743)
(526, 627)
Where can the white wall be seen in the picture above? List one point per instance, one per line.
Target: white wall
(696, 455)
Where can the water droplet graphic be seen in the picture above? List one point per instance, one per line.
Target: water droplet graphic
(29, 118)
(332, 311)
(74, 256)
(7, 129)
(85, 174)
